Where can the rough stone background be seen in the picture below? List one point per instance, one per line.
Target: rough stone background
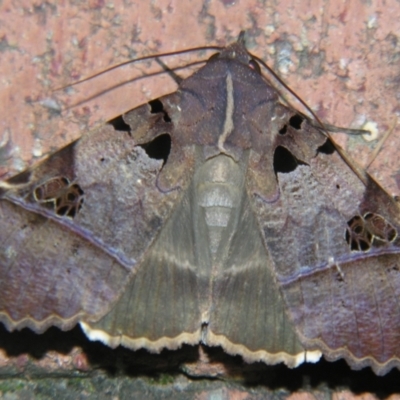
(341, 57)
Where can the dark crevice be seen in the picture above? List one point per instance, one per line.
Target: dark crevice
(141, 364)
(327, 147)
(364, 246)
(159, 148)
(71, 197)
(66, 211)
(21, 178)
(285, 161)
(296, 121)
(283, 130)
(156, 106)
(119, 124)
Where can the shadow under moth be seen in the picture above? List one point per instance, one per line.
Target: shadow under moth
(255, 234)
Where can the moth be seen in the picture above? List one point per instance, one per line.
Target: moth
(252, 232)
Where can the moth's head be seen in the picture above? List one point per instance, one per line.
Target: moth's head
(237, 52)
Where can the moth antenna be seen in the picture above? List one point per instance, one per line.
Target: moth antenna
(320, 125)
(336, 129)
(125, 82)
(165, 67)
(291, 91)
(172, 53)
(326, 127)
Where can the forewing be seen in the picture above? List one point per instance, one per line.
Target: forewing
(332, 234)
(74, 228)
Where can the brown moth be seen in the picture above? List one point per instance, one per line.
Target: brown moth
(252, 232)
